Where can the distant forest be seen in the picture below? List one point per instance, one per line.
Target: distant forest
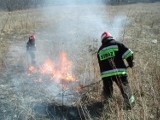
(11, 5)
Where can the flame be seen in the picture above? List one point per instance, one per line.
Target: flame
(47, 67)
(58, 71)
(32, 69)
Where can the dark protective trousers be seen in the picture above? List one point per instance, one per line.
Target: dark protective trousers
(33, 57)
(122, 83)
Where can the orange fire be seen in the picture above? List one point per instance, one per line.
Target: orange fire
(47, 67)
(60, 72)
(32, 69)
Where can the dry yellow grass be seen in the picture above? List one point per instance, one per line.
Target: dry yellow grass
(20, 21)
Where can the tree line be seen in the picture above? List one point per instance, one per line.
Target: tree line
(128, 1)
(11, 5)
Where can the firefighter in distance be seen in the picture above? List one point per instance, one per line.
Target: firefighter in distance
(31, 48)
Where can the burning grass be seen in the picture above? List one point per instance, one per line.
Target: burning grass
(61, 72)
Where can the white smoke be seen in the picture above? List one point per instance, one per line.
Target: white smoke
(72, 25)
(73, 21)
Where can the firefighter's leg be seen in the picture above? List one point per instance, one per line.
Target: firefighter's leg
(107, 94)
(33, 58)
(125, 89)
(107, 88)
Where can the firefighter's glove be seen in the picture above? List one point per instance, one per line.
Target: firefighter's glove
(131, 65)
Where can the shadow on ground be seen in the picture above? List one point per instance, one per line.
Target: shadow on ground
(62, 112)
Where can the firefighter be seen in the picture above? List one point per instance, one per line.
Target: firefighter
(111, 58)
(31, 48)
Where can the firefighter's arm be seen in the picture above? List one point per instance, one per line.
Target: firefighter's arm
(130, 60)
(127, 54)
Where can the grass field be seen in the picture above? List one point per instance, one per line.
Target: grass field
(21, 98)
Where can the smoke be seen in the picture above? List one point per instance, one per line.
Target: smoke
(72, 26)
(74, 21)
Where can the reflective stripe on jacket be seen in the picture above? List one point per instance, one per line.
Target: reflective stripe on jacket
(120, 71)
(127, 54)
